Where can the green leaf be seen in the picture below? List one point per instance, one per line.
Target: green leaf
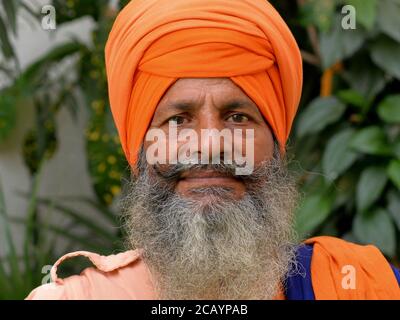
(393, 172)
(31, 221)
(376, 228)
(385, 53)
(389, 109)
(388, 18)
(313, 210)
(319, 114)
(371, 140)
(366, 11)
(5, 42)
(8, 114)
(7, 241)
(10, 8)
(84, 241)
(345, 188)
(56, 54)
(396, 149)
(32, 13)
(67, 11)
(367, 81)
(99, 207)
(80, 219)
(339, 44)
(40, 145)
(318, 13)
(394, 206)
(370, 187)
(352, 97)
(338, 157)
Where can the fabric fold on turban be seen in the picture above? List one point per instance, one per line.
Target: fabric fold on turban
(153, 43)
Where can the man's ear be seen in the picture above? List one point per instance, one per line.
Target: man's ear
(140, 165)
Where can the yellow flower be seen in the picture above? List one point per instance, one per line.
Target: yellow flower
(101, 167)
(115, 175)
(115, 190)
(112, 160)
(94, 136)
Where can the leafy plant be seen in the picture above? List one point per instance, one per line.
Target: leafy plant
(347, 138)
(47, 85)
(21, 269)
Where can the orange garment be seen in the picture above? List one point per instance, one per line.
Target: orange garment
(374, 278)
(125, 276)
(155, 42)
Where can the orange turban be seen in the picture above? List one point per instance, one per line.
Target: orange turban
(155, 42)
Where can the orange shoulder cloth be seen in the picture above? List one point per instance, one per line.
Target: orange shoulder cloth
(343, 270)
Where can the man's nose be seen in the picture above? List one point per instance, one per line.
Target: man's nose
(210, 130)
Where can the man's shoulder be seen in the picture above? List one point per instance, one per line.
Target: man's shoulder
(364, 254)
(117, 276)
(348, 270)
(332, 268)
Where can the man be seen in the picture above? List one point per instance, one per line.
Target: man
(197, 229)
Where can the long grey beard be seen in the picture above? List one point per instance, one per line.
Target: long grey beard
(214, 247)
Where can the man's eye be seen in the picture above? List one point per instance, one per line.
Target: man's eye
(176, 120)
(238, 118)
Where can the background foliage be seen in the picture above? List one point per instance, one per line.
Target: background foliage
(346, 139)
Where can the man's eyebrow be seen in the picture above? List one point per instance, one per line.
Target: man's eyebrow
(235, 104)
(190, 105)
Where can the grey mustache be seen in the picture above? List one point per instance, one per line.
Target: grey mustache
(175, 172)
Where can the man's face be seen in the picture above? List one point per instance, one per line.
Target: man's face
(207, 233)
(212, 103)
